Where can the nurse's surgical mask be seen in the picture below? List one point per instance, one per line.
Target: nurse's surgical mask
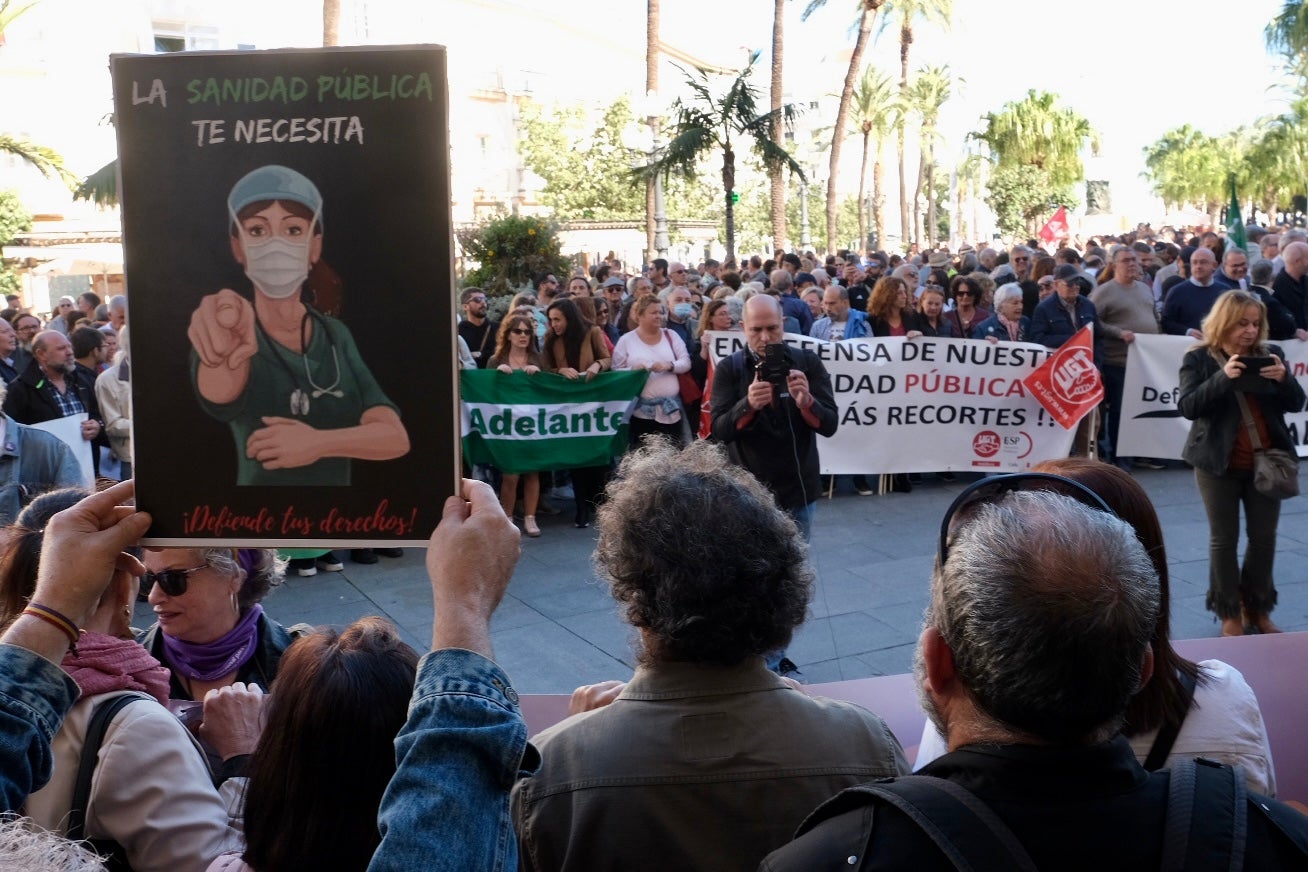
(278, 266)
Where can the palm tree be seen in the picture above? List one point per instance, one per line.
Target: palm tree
(651, 87)
(710, 122)
(42, 158)
(867, 13)
(929, 92)
(873, 113)
(908, 11)
(1036, 132)
(331, 22)
(776, 181)
(1287, 33)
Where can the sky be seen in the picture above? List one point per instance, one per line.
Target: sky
(1133, 68)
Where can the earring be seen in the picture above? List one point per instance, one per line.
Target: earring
(127, 612)
(236, 607)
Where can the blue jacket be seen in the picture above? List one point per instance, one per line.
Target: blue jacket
(855, 328)
(31, 463)
(991, 327)
(1052, 325)
(799, 310)
(35, 694)
(466, 734)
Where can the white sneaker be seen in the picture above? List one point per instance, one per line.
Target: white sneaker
(306, 571)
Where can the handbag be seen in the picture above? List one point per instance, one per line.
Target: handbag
(690, 390)
(1276, 471)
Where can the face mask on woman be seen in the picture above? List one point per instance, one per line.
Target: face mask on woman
(277, 266)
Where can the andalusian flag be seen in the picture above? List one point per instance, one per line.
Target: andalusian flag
(1234, 223)
(529, 423)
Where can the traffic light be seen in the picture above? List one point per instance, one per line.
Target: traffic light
(735, 196)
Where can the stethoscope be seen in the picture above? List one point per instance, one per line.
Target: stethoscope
(299, 397)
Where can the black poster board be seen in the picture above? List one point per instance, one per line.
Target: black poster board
(288, 255)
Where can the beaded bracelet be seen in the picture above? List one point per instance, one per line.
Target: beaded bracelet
(55, 619)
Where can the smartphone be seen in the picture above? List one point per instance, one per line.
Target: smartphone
(1250, 381)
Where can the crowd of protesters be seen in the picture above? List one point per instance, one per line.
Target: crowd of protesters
(220, 739)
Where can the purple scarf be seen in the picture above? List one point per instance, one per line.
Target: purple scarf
(222, 656)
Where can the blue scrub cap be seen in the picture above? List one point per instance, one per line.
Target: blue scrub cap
(274, 182)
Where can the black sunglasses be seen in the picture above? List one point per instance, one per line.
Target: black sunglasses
(996, 487)
(172, 581)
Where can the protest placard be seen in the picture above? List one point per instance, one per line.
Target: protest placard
(288, 250)
(530, 423)
(1152, 425)
(928, 404)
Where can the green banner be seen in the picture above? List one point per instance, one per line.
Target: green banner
(529, 423)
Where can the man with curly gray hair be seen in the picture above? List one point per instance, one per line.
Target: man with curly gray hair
(712, 575)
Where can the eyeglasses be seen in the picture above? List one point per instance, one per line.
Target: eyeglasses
(964, 292)
(996, 487)
(172, 581)
(1021, 259)
(929, 286)
(477, 300)
(518, 331)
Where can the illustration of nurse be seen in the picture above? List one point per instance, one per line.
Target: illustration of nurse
(287, 378)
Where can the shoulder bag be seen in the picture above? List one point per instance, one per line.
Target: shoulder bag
(1276, 471)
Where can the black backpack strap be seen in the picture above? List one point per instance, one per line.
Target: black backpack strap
(1207, 817)
(1167, 733)
(961, 825)
(100, 719)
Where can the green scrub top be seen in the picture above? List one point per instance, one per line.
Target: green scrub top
(268, 393)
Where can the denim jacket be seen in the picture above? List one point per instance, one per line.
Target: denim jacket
(32, 462)
(35, 694)
(457, 757)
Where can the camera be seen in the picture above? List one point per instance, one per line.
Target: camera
(776, 365)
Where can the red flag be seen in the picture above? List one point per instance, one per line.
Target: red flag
(705, 413)
(1068, 383)
(1056, 227)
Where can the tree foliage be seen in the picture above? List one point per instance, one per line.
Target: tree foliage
(1035, 131)
(509, 251)
(1021, 195)
(14, 219)
(716, 119)
(586, 168)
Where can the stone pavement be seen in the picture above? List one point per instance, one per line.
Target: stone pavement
(558, 627)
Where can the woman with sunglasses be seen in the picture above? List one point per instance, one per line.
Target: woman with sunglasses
(152, 800)
(516, 351)
(967, 312)
(211, 631)
(1200, 709)
(1225, 400)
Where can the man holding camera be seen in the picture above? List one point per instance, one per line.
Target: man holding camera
(769, 403)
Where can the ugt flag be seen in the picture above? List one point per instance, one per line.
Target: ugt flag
(528, 423)
(1068, 383)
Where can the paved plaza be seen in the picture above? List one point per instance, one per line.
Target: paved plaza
(558, 627)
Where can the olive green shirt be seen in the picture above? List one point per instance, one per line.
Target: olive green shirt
(276, 373)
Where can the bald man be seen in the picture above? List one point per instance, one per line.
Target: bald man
(771, 427)
(1291, 286)
(1188, 303)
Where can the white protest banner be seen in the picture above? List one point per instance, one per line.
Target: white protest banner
(927, 404)
(68, 430)
(1152, 425)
